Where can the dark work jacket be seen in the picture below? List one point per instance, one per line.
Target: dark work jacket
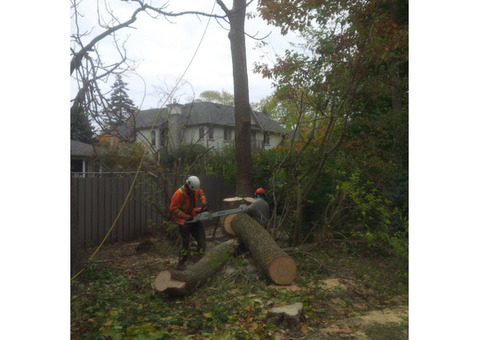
(259, 211)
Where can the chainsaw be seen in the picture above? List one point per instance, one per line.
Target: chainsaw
(199, 214)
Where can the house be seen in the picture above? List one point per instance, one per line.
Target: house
(204, 123)
(82, 158)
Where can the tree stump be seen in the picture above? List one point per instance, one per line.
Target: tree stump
(287, 316)
(177, 282)
(268, 257)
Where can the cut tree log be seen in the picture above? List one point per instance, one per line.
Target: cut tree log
(231, 203)
(268, 257)
(234, 202)
(227, 224)
(177, 282)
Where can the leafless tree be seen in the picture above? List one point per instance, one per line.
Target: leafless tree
(87, 66)
(89, 70)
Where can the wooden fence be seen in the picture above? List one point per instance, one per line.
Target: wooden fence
(97, 201)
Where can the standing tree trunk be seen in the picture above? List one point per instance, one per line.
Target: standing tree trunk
(268, 257)
(243, 112)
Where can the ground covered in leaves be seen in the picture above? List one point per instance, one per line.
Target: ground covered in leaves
(344, 296)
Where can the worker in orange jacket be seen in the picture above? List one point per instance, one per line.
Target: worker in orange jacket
(184, 200)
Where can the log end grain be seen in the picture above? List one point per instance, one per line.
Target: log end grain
(282, 270)
(235, 202)
(227, 224)
(232, 202)
(163, 281)
(249, 199)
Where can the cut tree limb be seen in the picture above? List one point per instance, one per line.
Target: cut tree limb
(269, 258)
(177, 282)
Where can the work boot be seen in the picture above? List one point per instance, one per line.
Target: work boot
(181, 266)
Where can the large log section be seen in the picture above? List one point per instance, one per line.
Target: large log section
(185, 282)
(269, 258)
(231, 203)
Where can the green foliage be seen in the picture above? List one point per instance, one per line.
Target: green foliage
(372, 218)
(120, 107)
(223, 163)
(171, 229)
(344, 201)
(354, 64)
(80, 127)
(186, 159)
(287, 173)
(127, 157)
(222, 97)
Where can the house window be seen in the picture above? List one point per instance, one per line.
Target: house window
(227, 134)
(153, 136)
(210, 132)
(266, 138)
(76, 165)
(201, 133)
(163, 136)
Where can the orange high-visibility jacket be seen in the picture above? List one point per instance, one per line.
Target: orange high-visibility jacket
(180, 203)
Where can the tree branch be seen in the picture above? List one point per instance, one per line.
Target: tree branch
(78, 57)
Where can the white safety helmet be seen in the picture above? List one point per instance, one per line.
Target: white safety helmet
(193, 183)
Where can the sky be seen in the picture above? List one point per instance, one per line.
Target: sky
(163, 49)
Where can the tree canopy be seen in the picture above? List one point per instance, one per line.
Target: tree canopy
(80, 128)
(220, 97)
(345, 93)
